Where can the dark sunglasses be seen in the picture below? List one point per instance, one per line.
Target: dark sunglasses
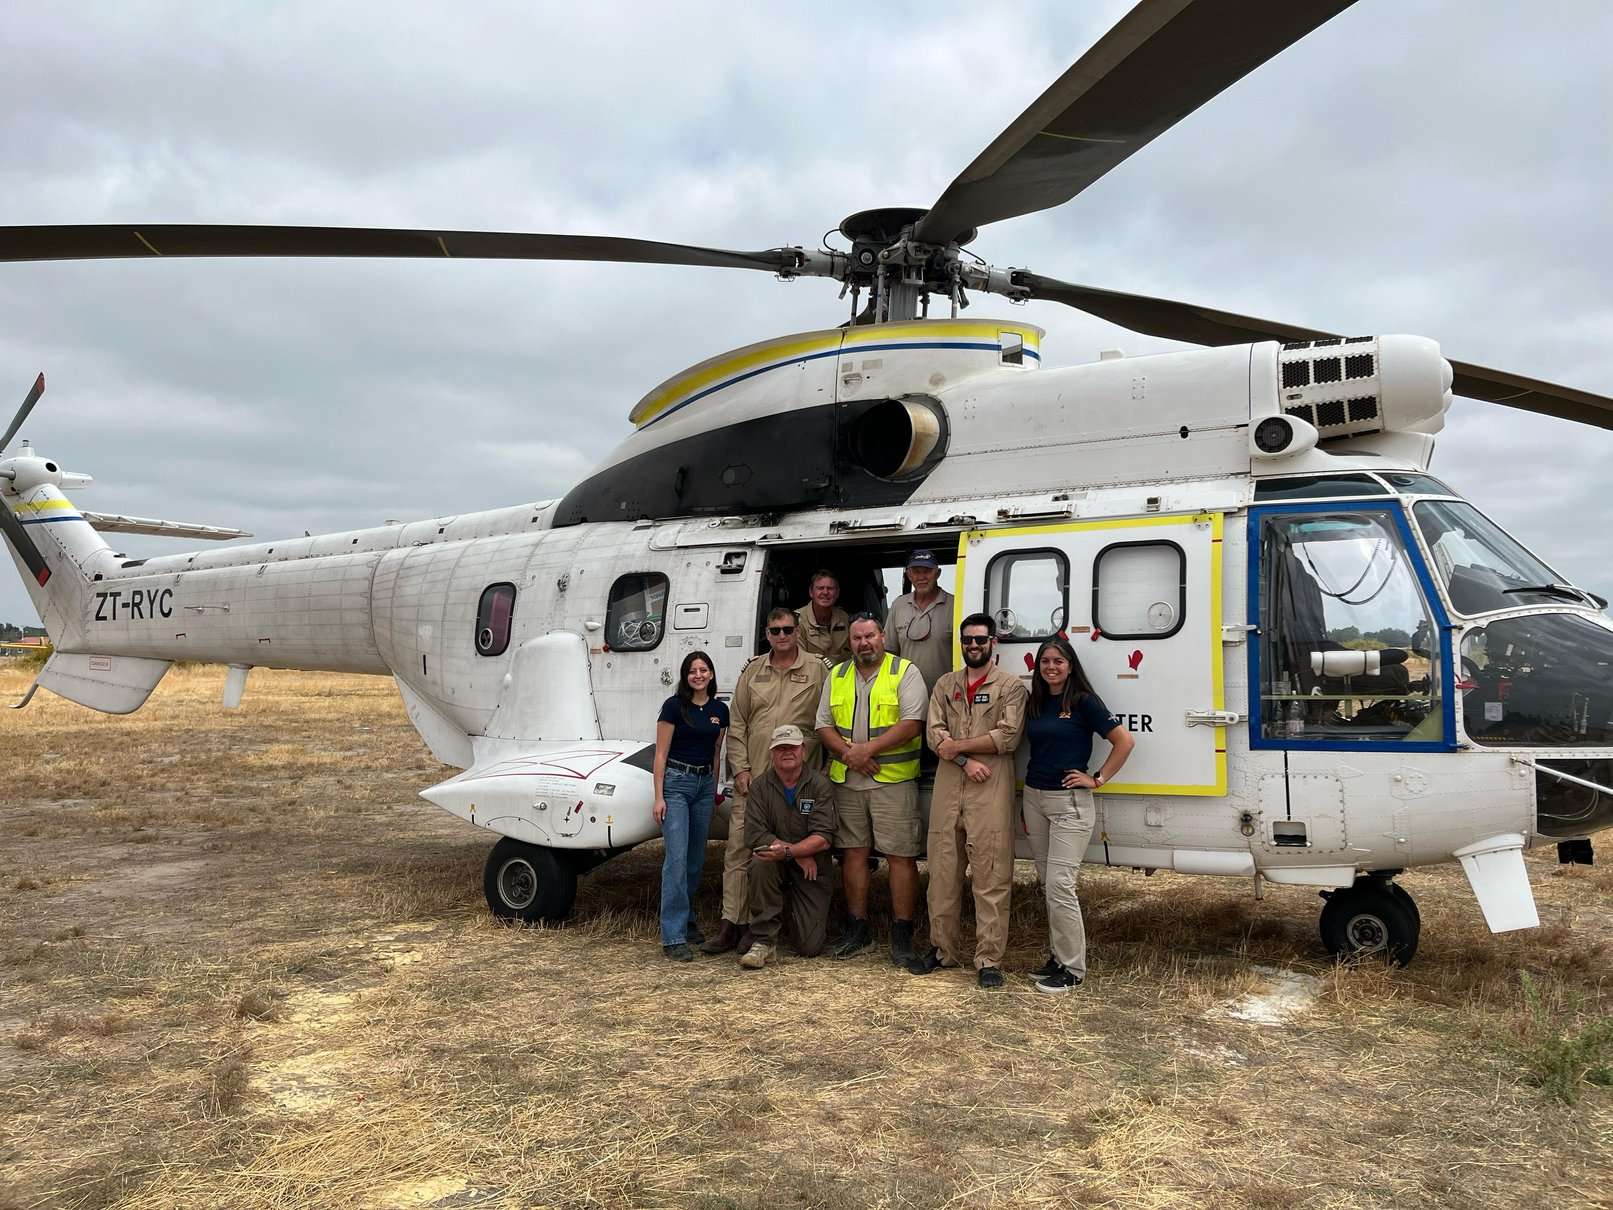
(781, 630)
(975, 640)
(865, 616)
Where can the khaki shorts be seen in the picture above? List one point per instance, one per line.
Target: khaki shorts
(885, 817)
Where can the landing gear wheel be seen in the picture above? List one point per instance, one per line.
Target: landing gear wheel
(1373, 918)
(529, 883)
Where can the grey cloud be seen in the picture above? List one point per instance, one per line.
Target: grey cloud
(1435, 168)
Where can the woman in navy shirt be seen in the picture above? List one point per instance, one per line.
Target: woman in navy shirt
(688, 738)
(1062, 717)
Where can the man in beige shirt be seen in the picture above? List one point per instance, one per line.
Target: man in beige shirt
(825, 629)
(976, 720)
(919, 627)
(776, 689)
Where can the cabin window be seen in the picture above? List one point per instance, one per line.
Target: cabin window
(635, 619)
(493, 615)
(1012, 345)
(1139, 590)
(1028, 594)
(1349, 652)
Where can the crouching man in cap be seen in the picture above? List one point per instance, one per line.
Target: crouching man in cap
(789, 823)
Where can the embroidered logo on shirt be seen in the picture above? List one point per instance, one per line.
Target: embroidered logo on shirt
(805, 805)
(715, 720)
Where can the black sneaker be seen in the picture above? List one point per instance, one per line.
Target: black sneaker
(923, 965)
(1048, 969)
(857, 937)
(990, 977)
(1059, 982)
(678, 953)
(901, 942)
(693, 936)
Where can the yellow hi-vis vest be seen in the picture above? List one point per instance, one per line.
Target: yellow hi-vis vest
(897, 764)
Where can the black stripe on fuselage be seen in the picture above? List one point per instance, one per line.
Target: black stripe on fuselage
(795, 459)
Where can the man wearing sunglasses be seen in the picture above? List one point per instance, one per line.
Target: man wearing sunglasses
(976, 720)
(920, 624)
(779, 688)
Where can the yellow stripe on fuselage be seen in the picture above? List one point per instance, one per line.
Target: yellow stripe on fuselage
(44, 506)
(787, 349)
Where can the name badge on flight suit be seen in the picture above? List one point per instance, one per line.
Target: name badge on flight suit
(805, 805)
(799, 678)
(982, 699)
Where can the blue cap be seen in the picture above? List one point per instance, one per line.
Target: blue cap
(923, 558)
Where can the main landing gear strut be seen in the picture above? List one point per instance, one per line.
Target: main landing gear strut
(1374, 918)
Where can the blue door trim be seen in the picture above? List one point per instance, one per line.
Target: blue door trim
(1442, 624)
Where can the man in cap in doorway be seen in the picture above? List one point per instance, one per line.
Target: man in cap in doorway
(920, 624)
(782, 685)
(976, 720)
(824, 628)
(789, 825)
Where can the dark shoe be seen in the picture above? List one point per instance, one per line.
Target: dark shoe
(930, 961)
(1047, 969)
(727, 937)
(678, 953)
(857, 937)
(746, 940)
(692, 935)
(990, 977)
(1059, 982)
(901, 942)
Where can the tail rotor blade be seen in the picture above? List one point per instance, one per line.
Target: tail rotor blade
(22, 412)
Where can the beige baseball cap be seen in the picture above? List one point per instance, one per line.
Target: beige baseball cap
(788, 735)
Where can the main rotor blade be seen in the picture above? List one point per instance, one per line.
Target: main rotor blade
(1162, 61)
(110, 241)
(34, 393)
(1207, 326)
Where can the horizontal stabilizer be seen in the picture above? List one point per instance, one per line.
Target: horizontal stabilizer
(112, 684)
(116, 523)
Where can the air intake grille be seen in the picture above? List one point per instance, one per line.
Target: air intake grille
(1333, 384)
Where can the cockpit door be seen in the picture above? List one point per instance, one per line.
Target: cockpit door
(1140, 601)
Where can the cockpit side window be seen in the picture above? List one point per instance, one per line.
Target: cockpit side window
(1349, 651)
(635, 616)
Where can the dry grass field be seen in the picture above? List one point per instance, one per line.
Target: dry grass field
(242, 964)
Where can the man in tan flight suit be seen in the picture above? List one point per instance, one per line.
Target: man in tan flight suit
(789, 826)
(976, 720)
(778, 688)
(825, 628)
(919, 627)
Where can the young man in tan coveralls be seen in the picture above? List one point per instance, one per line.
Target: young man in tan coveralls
(779, 688)
(976, 720)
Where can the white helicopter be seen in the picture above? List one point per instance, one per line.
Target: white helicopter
(1336, 668)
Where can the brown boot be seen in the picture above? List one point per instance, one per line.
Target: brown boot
(746, 940)
(727, 937)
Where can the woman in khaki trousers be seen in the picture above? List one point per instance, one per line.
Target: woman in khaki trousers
(1063, 716)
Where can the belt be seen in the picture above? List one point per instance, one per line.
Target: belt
(697, 770)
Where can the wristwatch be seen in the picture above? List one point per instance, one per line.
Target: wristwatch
(1097, 780)
(789, 852)
(961, 761)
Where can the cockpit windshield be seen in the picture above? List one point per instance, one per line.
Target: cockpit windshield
(1481, 567)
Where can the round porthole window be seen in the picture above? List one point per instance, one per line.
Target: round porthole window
(1162, 615)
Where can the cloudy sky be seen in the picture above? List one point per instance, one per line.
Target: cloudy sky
(1440, 168)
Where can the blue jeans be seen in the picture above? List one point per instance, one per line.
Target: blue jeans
(689, 801)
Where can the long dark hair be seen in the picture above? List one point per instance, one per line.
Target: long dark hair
(1074, 688)
(686, 694)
